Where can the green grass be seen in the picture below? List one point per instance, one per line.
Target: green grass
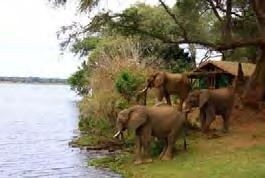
(114, 163)
(204, 158)
(242, 163)
(89, 140)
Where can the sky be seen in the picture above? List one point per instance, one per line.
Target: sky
(28, 42)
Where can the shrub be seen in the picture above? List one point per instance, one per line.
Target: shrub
(98, 112)
(127, 83)
(79, 80)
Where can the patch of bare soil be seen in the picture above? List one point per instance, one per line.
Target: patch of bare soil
(247, 128)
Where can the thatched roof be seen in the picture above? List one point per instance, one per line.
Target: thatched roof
(225, 67)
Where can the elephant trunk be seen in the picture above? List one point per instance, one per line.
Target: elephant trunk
(186, 108)
(144, 92)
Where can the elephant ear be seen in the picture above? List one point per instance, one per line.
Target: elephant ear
(204, 97)
(159, 79)
(137, 117)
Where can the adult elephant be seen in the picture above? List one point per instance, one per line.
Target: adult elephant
(215, 102)
(164, 122)
(169, 84)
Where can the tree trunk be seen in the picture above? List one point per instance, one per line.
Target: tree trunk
(227, 30)
(255, 90)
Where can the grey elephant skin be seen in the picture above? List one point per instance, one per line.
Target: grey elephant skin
(215, 102)
(212, 103)
(164, 122)
(168, 84)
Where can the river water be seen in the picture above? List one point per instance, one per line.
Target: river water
(36, 124)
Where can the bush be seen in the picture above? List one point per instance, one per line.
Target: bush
(79, 80)
(98, 112)
(127, 83)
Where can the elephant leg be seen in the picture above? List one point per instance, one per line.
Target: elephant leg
(160, 95)
(226, 117)
(170, 145)
(168, 99)
(162, 92)
(210, 116)
(203, 120)
(180, 104)
(164, 149)
(137, 151)
(146, 140)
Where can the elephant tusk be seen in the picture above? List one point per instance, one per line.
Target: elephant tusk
(186, 110)
(117, 134)
(143, 90)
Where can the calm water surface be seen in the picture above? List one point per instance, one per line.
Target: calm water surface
(36, 124)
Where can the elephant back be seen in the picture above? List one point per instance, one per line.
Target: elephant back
(178, 84)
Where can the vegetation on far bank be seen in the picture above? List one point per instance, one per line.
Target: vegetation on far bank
(37, 80)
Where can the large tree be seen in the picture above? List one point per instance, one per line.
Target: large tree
(218, 25)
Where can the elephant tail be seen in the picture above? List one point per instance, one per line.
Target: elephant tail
(184, 136)
(185, 127)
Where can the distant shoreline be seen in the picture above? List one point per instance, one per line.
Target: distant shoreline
(33, 80)
(32, 83)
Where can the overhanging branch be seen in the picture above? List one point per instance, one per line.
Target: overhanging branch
(231, 44)
(215, 10)
(173, 16)
(213, 46)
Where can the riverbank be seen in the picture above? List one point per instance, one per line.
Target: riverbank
(240, 153)
(96, 142)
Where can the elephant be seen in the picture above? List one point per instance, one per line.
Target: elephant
(163, 122)
(214, 102)
(169, 84)
(211, 103)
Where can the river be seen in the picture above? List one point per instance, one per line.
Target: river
(36, 124)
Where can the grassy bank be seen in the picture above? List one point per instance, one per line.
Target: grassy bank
(239, 153)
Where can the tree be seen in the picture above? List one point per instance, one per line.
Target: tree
(79, 80)
(218, 25)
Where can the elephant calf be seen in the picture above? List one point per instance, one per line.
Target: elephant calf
(211, 103)
(215, 102)
(164, 122)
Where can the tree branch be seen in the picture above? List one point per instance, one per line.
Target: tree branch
(258, 7)
(216, 47)
(215, 10)
(218, 7)
(227, 32)
(239, 43)
(173, 16)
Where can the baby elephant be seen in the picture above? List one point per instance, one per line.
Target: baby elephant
(164, 122)
(211, 103)
(215, 102)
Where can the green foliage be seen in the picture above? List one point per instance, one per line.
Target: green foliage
(84, 46)
(113, 163)
(84, 140)
(87, 4)
(79, 80)
(157, 147)
(127, 83)
(121, 103)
